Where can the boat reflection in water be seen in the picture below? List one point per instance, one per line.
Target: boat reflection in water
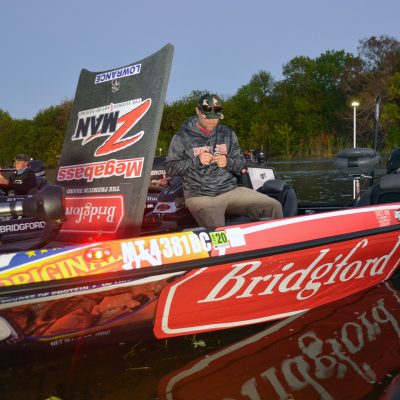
(349, 349)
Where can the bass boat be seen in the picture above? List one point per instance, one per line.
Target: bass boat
(114, 254)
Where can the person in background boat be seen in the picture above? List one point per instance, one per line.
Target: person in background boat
(22, 180)
(254, 157)
(393, 162)
(208, 157)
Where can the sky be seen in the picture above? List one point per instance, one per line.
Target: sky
(218, 46)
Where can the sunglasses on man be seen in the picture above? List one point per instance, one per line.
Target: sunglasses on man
(207, 108)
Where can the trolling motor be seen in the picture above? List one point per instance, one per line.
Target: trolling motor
(47, 204)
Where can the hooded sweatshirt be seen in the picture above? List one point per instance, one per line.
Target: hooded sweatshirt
(21, 182)
(204, 180)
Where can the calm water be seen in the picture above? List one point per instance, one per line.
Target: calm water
(320, 180)
(346, 350)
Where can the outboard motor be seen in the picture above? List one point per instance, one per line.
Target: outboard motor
(360, 159)
(30, 222)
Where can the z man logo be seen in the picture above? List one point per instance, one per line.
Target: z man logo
(115, 121)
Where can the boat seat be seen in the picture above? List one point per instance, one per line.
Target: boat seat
(37, 166)
(41, 182)
(386, 191)
(281, 191)
(277, 189)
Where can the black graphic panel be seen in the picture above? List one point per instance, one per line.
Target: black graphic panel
(108, 152)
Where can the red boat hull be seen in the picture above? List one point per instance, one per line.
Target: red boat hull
(196, 281)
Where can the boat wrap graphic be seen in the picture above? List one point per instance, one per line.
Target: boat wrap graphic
(274, 287)
(265, 288)
(88, 213)
(199, 280)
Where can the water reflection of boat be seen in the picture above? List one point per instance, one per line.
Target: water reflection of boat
(184, 280)
(349, 349)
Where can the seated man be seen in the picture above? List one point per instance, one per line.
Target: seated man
(22, 180)
(207, 156)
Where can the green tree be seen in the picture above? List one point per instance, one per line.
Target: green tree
(306, 114)
(311, 98)
(49, 131)
(247, 111)
(378, 61)
(391, 113)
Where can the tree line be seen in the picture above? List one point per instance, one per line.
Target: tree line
(306, 114)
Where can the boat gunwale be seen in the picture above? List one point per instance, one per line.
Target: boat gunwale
(132, 275)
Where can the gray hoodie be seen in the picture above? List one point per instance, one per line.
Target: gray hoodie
(204, 180)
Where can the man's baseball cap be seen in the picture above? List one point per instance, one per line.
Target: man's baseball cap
(22, 157)
(210, 106)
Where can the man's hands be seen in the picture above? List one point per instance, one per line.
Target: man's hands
(208, 158)
(220, 160)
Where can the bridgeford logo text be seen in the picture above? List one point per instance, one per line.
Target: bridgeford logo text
(90, 214)
(242, 281)
(25, 226)
(273, 287)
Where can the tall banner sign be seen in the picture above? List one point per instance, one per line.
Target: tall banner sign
(109, 147)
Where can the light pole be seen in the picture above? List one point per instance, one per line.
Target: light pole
(356, 182)
(160, 149)
(354, 104)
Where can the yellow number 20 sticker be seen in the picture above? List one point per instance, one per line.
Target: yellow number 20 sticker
(219, 239)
